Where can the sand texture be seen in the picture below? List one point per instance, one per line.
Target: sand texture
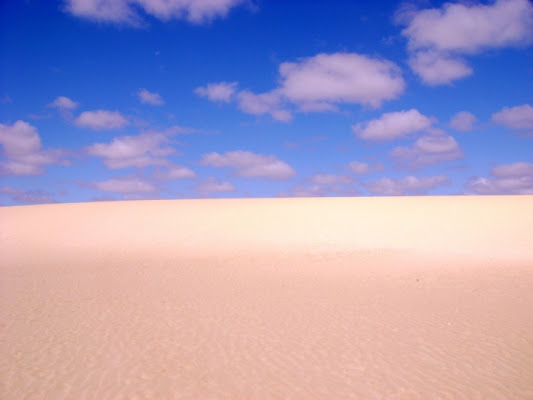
(338, 298)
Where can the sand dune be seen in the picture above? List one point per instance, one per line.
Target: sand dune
(345, 298)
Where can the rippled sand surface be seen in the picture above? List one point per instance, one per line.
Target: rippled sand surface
(268, 299)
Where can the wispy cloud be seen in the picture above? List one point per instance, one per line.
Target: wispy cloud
(128, 12)
(36, 196)
(126, 184)
(409, 185)
(438, 38)
(250, 165)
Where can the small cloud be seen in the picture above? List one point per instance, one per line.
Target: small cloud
(63, 103)
(22, 148)
(514, 178)
(427, 150)
(221, 91)
(519, 117)
(463, 121)
(409, 185)
(250, 165)
(361, 168)
(212, 185)
(173, 172)
(101, 120)
(393, 125)
(147, 97)
(133, 151)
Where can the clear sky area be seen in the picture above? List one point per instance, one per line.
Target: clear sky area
(153, 99)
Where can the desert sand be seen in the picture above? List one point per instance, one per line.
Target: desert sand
(338, 298)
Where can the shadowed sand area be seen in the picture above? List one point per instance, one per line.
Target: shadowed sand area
(339, 298)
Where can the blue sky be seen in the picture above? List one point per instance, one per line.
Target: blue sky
(144, 99)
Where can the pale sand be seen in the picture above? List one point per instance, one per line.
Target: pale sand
(359, 298)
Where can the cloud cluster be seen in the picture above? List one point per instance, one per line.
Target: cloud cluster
(439, 38)
(392, 125)
(318, 83)
(515, 178)
(22, 148)
(101, 120)
(248, 164)
(128, 11)
(409, 185)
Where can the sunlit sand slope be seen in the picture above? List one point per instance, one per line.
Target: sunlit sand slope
(361, 298)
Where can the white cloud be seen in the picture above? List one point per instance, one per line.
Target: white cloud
(409, 185)
(463, 121)
(27, 196)
(316, 84)
(147, 97)
(221, 91)
(174, 172)
(428, 150)
(128, 184)
(63, 103)
(392, 125)
(519, 117)
(133, 151)
(213, 185)
(437, 37)
(266, 103)
(128, 11)
(321, 81)
(101, 120)
(248, 164)
(360, 168)
(437, 68)
(22, 148)
(515, 178)
(331, 179)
